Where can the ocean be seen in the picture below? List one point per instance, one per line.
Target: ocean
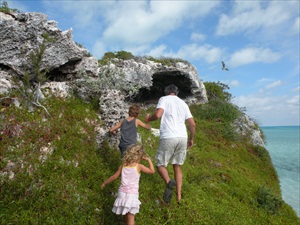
(283, 144)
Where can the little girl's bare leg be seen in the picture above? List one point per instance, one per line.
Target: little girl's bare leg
(130, 219)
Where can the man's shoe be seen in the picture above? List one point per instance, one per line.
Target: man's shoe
(168, 191)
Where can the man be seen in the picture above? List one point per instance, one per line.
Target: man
(174, 140)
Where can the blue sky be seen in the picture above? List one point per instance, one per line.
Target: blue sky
(258, 41)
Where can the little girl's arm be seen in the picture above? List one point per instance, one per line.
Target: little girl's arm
(149, 169)
(113, 177)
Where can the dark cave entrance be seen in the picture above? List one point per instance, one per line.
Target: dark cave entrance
(160, 81)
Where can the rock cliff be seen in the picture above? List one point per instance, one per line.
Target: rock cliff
(70, 68)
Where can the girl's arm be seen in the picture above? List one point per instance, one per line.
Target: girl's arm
(147, 126)
(150, 169)
(114, 129)
(113, 177)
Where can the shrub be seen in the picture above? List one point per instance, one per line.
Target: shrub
(268, 201)
(217, 91)
(119, 55)
(166, 60)
(219, 110)
(124, 55)
(5, 8)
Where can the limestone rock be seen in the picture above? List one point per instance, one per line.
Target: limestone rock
(152, 77)
(57, 89)
(5, 83)
(113, 108)
(245, 126)
(23, 34)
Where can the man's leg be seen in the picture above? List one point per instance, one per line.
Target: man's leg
(163, 172)
(178, 178)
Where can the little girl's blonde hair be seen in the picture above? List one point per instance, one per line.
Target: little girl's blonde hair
(133, 154)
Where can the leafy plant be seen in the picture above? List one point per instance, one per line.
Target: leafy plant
(219, 110)
(217, 91)
(166, 60)
(268, 201)
(34, 77)
(5, 8)
(108, 56)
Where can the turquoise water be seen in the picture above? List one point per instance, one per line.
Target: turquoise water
(283, 144)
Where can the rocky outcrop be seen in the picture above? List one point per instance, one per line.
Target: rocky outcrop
(143, 81)
(71, 69)
(246, 127)
(152, 77)
(23, 34)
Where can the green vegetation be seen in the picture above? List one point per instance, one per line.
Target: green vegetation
(119, 55)
(5, 8)
(167, 60)
(51, 171)
(217, 91)
(128, 55)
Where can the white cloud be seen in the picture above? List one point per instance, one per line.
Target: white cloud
(296, 89)
(274, 84)
(206, 53)
(141, 22)
(234, 83)
(158, 51)
(295, 29)
(83, 13)
(252, 55)
(295, 100)
(198, 37)
(262, 80)
(99, 49)
(231, 83)
(250, 15)
(272, 110)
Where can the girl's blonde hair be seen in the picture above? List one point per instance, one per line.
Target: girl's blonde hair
(133, 154)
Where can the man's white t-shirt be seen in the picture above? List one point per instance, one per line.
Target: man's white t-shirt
(176, 112)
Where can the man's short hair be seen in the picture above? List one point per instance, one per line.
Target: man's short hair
(172, 88)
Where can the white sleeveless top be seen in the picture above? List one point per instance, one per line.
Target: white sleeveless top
(130, 178)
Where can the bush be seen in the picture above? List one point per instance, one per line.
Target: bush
(219, 110)
(5, 8)
(268, 201)
(166, 60)
(217, 91)
(119, 55)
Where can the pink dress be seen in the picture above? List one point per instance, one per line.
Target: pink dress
(128, 194)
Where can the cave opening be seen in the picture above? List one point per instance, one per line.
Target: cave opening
(60, 73)
(159, 81)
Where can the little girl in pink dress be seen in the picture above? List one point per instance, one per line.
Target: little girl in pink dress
(127, 202)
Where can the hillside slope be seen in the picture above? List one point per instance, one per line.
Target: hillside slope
(52, 168)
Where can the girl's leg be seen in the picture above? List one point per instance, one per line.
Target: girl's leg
(125, 218)
(129, 219)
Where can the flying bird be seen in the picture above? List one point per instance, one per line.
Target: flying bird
(224, 66)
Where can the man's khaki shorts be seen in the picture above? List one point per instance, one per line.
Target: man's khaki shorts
(171, 150)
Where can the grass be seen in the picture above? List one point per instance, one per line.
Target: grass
(58, 169)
